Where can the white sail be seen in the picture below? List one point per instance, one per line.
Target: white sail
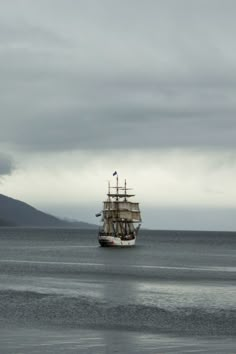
(122, 215)
(121, 205)
(107, 227)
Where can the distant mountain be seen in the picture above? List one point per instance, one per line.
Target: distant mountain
(13, 212)
(4, 222)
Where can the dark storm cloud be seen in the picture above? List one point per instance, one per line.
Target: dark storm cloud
(134, 74)
(6, 164)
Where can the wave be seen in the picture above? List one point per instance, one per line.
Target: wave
(28, 307)
(72, 269)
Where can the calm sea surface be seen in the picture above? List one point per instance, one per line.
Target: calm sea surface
(174, 292)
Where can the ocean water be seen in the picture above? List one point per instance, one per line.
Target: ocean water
(174, 292)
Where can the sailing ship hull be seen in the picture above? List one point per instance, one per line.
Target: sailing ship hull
(111, 241)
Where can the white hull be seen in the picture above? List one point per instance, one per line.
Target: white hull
(111, 241)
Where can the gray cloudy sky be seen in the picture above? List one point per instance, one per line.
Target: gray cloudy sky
(144, 87)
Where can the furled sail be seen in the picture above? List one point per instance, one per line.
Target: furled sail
(121, 205)
(122, 215)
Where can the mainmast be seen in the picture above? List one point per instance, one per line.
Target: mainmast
(125, 191)
(117, 187)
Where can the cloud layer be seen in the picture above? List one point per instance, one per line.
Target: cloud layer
(96, 75)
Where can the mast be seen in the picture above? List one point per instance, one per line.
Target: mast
(125, 199)
(117, 187)
(117, 203)
(109, 207)
(125, 191)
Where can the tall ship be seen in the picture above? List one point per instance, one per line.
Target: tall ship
(120, 217)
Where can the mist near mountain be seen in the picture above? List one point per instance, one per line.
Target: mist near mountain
(14, 212)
